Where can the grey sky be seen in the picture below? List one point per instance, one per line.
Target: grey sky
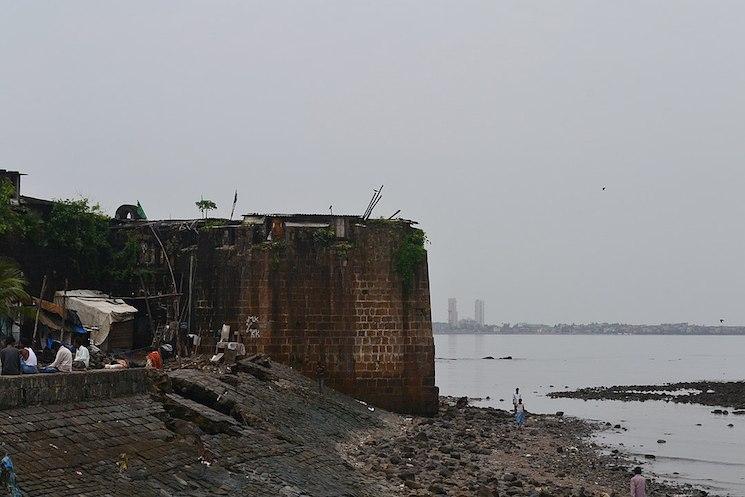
(495, 124)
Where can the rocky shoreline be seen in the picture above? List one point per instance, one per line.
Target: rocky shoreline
(471, 451)
(709, 393)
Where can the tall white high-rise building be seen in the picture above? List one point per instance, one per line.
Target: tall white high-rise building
(453, 312)
(478, 313)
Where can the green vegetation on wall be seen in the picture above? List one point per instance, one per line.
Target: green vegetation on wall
(76, 236)
(12, 287)
(78, 233)
(13, 221)
(409, 256)
(324, 236)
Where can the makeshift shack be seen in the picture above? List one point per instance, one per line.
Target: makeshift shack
(109, 320)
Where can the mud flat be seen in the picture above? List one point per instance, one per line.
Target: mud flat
(469, 451)
(709, 393)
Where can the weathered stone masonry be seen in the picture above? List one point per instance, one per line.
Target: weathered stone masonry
(320, 293)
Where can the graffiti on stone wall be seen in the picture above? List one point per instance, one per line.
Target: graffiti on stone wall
(252, 327)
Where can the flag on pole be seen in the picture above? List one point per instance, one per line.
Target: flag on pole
(140, 211)
(235, 201)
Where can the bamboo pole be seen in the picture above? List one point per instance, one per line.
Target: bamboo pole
(38, 308)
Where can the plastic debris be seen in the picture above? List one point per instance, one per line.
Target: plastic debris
(8, 476)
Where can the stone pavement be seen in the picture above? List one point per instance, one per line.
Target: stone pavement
(201, 434)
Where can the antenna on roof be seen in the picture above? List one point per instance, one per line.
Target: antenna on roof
(373, 202)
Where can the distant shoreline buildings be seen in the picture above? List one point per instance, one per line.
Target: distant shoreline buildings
(478, 312)
(468, 327)
(476, 324)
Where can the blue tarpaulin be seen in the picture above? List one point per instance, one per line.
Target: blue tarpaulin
(8, 477)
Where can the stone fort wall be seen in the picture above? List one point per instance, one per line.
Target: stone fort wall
(322, 290)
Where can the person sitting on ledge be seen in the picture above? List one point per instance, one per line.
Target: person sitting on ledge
(62, 361)
(29, 363)
(82, 357)
(10, 358)
(117, 364)
(154, 359)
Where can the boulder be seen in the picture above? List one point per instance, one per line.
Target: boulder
(254, 369)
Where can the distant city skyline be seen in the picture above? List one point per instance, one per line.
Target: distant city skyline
(454, 319)
(478, 312)
(453, 312)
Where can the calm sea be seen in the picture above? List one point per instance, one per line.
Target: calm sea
(712, 454)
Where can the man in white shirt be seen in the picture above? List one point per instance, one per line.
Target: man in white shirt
(515, 399)
(82, 356)
(62, 361)
(29, 363)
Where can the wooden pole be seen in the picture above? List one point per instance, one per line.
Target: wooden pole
(147, 305)
(191, 283)
(64, 315)
(177, 314)
(38, 308)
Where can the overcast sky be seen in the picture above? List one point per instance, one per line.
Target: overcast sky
(495, 124)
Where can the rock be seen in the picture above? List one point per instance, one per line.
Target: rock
(461, 402)
(617, 426)
(650, 456)
(437, 489)
(260, 372)
(412, 484)
(407, 474)
(506, 358)
(731, 425)
(445, 472)
(183, 427)
(484, 491)
(421, 436)
(661, 441)
(559, 414)
(579, 492)
(488, 357)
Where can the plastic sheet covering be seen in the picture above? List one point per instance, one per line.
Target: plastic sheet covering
(96, 310)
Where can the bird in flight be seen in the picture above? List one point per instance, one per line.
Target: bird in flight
(603, 188)
(721, 320)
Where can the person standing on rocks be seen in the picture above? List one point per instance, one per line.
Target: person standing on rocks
(638, 484)
(515, 399)
(320, 374)
(520, 413)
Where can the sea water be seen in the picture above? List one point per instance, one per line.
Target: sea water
(710, 455)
